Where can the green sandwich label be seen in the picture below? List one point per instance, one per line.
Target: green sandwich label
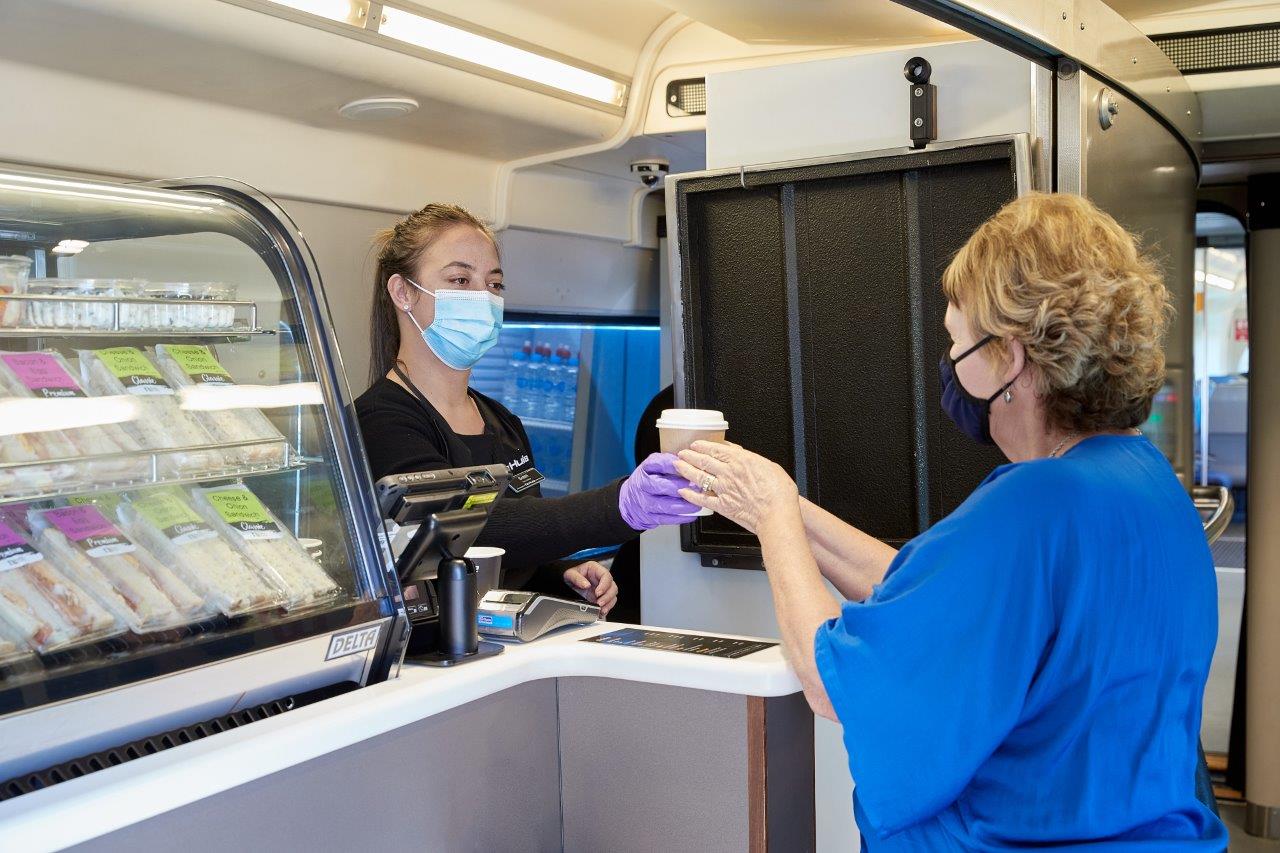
(106, 502)
(169, 513)
(199, 363)
(134, 370)
(244, 513)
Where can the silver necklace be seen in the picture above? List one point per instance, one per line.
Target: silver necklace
(1063, 443)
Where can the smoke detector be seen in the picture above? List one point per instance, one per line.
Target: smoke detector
(376, 109)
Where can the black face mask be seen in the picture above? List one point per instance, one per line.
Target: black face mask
(971, 414)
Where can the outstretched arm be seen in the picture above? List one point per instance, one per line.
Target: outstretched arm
(853, 561)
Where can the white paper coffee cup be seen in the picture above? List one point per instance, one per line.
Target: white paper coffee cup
(680, 428)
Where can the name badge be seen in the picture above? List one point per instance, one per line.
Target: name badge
(525, 480)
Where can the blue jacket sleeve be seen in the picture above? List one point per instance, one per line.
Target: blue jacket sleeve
(930, 673)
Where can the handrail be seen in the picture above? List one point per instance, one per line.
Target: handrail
(1216, 507)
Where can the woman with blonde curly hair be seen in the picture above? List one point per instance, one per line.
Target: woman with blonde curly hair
(1029, 671)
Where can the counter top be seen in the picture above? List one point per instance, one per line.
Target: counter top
(83, 809)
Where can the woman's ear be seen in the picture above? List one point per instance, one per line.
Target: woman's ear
(400, 292)
(1017, 360)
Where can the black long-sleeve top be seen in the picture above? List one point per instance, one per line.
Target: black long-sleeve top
(404, 432)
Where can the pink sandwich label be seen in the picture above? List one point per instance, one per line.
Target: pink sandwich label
(43, 374)
(90, 530)
(14, 550)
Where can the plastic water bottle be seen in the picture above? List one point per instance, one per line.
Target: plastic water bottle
(511, 383)
(520, 402)
(553, 400)
(533, 397)
(570, 405)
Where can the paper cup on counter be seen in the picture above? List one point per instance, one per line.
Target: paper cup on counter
(488, 562)
(680, 428)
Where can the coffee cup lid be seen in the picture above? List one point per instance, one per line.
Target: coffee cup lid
(692, 419)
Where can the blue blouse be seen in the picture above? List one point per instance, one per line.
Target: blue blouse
(1031, 670)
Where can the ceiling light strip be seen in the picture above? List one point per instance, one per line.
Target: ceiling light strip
(461, 44)
(454, 44)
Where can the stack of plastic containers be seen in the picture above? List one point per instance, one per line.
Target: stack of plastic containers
(14, 270)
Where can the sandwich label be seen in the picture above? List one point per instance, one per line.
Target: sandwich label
(134, 370)
(199, 363)
(106, 501)
(43, 374)
(14, 550)
(173, 517)
(89, 529)
(243, 513)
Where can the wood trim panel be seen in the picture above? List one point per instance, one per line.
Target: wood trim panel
(757, 776)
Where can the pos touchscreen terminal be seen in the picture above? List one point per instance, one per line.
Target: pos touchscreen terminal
(432, 518)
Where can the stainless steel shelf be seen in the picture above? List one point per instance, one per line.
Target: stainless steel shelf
(157, 475)
(129, 327)
(133, 334)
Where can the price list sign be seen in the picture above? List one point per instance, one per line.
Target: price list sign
(693, 644)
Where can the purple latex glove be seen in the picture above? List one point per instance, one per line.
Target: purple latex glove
(651, 495)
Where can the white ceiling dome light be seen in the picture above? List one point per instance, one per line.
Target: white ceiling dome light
(377, 109)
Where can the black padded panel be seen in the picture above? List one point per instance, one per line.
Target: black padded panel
(735, 322)
(837, 265)
(854, 327)
(970, 194)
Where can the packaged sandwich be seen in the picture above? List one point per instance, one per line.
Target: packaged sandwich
(31, 447)
(243, 520)
(163, 522)
(129, 581)
(14, 515)
(160, 423)
(38, 601)
(194, 366)
(13, 646)
(107, 448)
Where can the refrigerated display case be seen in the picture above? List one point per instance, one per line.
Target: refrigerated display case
(186, 524)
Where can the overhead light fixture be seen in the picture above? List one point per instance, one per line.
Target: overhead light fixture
(70, 247)
(454, 42)
(460, 44)
(345, 11)
(373, 109)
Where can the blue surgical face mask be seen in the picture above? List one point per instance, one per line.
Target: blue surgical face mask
(971, 414)
(466, 326)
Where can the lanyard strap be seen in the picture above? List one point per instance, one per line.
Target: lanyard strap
(413, 389)
(488, 428)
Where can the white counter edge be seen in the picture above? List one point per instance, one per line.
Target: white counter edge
(82, 809)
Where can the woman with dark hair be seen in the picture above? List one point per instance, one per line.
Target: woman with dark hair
(437, 309)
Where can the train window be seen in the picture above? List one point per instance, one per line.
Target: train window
(1221, 363)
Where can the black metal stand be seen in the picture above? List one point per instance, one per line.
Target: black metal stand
(484, 649)
(458, 641)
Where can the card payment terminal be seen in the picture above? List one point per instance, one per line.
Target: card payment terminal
(524, 616)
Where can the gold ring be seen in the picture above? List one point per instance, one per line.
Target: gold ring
(707, 483)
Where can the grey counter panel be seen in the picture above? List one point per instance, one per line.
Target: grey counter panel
(497, 755)
(627, 790)
(585, 765)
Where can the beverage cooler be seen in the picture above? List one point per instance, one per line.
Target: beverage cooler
(579, 386)
(188, 539)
